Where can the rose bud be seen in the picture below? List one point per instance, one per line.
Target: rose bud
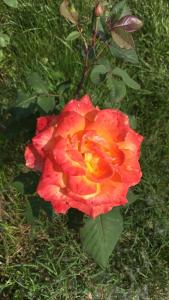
(98, 10)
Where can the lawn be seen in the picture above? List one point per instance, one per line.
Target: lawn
(44, 260)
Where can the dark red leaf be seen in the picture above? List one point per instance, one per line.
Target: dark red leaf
(129, 23)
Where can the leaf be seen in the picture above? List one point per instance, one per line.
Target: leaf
(120, 10)
(68, 12)
(129, 55)
(63, 86)
(105, 62)
(131, 197)
(19, 186)
(129, 23)
(99, 236)
(4, 40)
(24, 100)
(122, 39)
(11, 3)
(37, 84)
(101, 24)
(133, 121)
(97, 72)
(73, 36)
(46, 103)
(126, 78)
(117, 89)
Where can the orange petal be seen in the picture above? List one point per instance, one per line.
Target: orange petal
(64, 155)
(111, 125)
(69, 123)
(81, 185)
(90, 139)
(82, 106)
(130, 171)
(132, 142)
(97, 167)
(44, 122)
(42, 140)
(53, 172)
(51, 189)
(50, 192)
(113, 193)
(33, 159)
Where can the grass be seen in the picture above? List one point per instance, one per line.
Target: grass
(45, 261)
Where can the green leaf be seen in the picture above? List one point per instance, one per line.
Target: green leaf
(19, 186)
(105, 62)
(117, 89)
(122, 39)
(97, 72)
(101, 24)
(131, 197)
(128, 55)
(37, 84)
(24, 99)
(4, 40)
(126, 78)
(63, 86)
(99, 236)
(73, 36)
(11, 3)
(133, 121)
(120, 10)
(46, 103)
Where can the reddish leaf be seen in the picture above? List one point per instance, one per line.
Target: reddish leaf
(129, 23)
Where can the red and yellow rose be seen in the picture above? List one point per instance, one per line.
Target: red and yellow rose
(88, 158)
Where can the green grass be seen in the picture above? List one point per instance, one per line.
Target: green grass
(45, 261)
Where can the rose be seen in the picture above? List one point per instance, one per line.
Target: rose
(88, 158)
(99, 10)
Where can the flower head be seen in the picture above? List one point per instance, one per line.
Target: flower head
(88, 158)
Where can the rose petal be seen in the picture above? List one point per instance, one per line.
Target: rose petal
(44, 122)
(82, 106)
(81, 185)
(110, 124)
(52, 193)
(130, 171)
(33, 158)
(132, 142)
(41, 142)
(69, 123)
(64, 155)
(98, 168)
(51, 188)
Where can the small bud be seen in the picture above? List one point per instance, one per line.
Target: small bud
(98, 10)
